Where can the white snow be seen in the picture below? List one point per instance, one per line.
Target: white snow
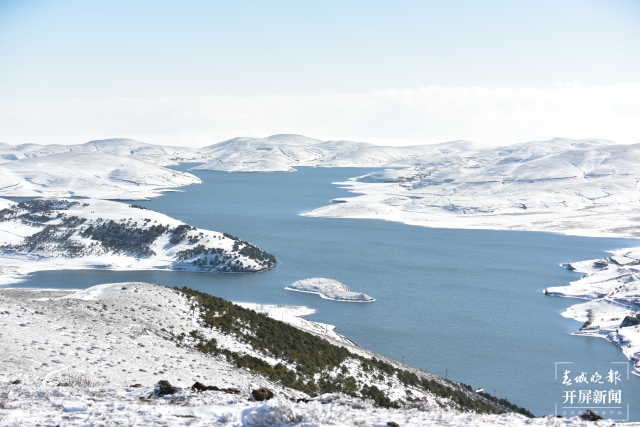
(587, 187)
(293, 315)
(328, 289)
(114, 334)
(108, 337)
(30, 405)
(156, 154)
(282, 153)
(96, 175)
(612, 286)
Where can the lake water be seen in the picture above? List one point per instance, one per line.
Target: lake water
(463, 303)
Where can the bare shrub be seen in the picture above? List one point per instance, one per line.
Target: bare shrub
(81, 380)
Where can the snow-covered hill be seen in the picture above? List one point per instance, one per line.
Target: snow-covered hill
(93, 356)
(97, 175)
(584, 187)
(587, 187)
(53, 234)
(156, 154)
(282, 153)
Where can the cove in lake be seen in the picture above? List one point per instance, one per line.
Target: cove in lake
(468, 302)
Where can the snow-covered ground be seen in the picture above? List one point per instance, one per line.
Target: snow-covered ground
(55, 234)
(32, 405)
(96, 175)
(92, 357)
(612, 286)
(328, 289)
(113, 335)
(157, 154)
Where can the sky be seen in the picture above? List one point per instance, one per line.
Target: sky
(403, 72)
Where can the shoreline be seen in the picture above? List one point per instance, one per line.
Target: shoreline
(93, 234)
(323, 296)
(459, 222)
(610, 289)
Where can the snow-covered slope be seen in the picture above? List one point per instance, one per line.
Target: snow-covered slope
(52, 234)
(29, 405)
(93, 356)
(282, 153)
(612, 286)
(587, 187)
(156, 154)
(113, 334)
(97, 175)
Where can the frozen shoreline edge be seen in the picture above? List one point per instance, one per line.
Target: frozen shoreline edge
(323, 296)
(453, 225)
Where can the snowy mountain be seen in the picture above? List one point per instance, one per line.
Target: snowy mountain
(98, 175)
(54, 234)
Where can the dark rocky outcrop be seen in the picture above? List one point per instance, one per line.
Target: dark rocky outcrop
(262, 394)
(199, 387)
(163, 388)
(591, 416)
(630, 321)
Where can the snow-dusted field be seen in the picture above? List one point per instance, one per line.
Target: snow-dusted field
(612, 286)
(101, 234)
(77, 355)
(32, 405)
(115, 335)
(328, 289)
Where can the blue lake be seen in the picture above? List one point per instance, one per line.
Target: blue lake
(463, 303)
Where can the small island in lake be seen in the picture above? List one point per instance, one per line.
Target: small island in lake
(328, 289)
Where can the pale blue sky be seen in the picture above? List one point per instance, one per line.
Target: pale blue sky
(390, 72)
(86, 49)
